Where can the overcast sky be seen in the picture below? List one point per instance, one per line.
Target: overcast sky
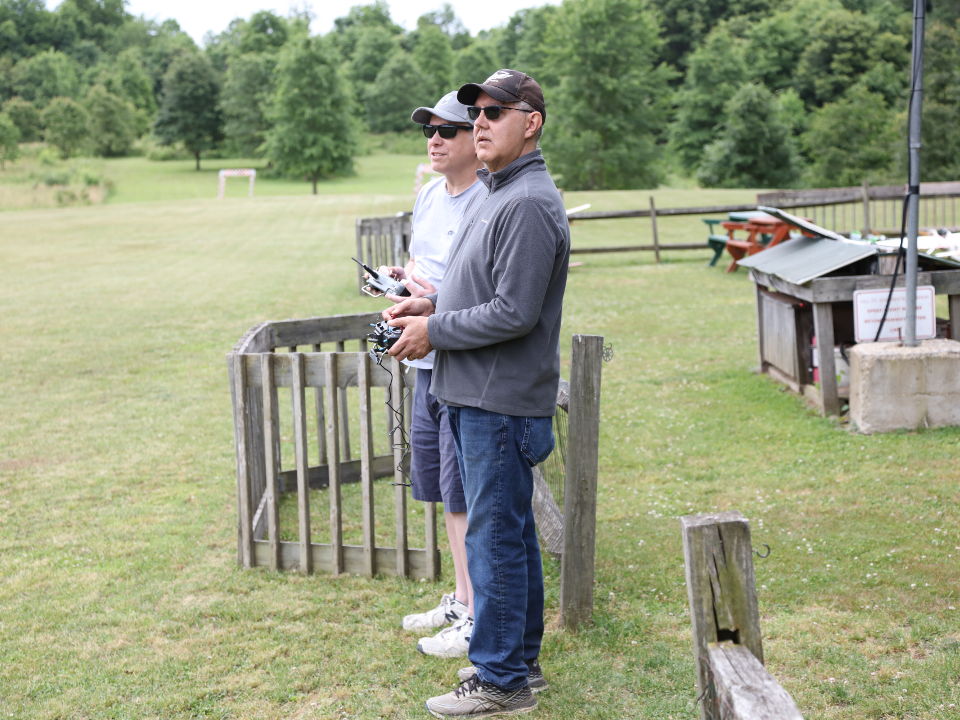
(197, 17)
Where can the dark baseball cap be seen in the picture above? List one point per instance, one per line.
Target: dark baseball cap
(506, 86)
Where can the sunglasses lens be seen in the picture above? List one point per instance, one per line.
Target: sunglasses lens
(491, 111)
(429, 130)
(448, 132)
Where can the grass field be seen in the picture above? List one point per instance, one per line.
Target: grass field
(121, 597)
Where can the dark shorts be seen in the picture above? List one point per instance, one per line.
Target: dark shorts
(434, 472)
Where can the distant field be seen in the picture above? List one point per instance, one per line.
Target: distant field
(121, 597)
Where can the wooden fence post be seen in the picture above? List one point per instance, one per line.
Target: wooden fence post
(866, 210)
(731, 681)
(653, 224)
(580, 490)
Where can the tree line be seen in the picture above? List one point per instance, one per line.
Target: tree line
(736, 93)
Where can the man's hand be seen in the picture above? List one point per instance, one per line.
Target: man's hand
(416, 286)
(394, 271)
(408, 307)
(414, 342)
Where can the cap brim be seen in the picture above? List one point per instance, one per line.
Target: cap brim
(423, 116)
(469, 93)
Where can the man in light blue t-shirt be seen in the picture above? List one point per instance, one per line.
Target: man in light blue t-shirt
(435, 475)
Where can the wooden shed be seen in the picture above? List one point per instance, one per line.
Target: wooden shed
(804, 291)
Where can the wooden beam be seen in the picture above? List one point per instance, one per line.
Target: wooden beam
(580, 490)
(721, 591)
(745, 690)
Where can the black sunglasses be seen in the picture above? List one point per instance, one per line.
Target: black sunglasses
(491, 111)
(447, 132)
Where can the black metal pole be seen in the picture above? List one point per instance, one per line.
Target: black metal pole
(913, 190)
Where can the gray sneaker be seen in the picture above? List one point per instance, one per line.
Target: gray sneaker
(535, 680)
(446, 613)
(476, 699)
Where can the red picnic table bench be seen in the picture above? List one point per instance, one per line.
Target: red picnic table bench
(762, 231)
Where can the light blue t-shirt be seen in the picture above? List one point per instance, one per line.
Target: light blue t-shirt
(436, 221)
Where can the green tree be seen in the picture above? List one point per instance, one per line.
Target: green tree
(348, 29)
(9, 139)
(476, 61)
(610, 117)
(112, 122)
(940, 156)
(836, 54)
(853, 140)
(373, 45)
(523, 44)
(190, 108)
(45, 76)
(434, 57)
(245, 97)
(312, 115)
(715, 70)
(397, 90)
(25, 116)
(65, 125)
(685, 23)
(754, 147)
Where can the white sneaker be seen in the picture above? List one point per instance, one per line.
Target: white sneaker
(453, 641)
(450, 610)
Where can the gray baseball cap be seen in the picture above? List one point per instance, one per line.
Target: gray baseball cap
(448, 108)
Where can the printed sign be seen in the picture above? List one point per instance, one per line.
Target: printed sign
(868, 310)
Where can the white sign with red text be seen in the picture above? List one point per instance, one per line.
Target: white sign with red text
(868, 310)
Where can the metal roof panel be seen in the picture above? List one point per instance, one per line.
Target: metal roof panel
(802, 259)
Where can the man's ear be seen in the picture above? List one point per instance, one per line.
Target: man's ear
(534, 123)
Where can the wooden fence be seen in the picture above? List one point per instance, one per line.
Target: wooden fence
(870, 209)
(862, 209)
(865, 209)
(292, 398)
(732, 683)
(383, 241)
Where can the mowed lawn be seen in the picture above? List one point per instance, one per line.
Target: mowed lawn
(120, 594)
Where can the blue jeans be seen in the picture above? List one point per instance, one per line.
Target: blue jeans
(496, 454)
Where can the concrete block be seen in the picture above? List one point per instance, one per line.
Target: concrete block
(893, 387)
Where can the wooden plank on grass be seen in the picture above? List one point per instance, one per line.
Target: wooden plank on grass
(721, 591)
(745, 690)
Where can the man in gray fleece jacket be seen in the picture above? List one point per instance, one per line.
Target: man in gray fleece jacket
(495, 325)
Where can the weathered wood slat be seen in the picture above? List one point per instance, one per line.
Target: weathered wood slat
(333, 466)
(318, 476)
(353, 560)
(366, 464)
(580, 490)
(310, 331)
(345, 448)
(321, 424)
(400, 495)
(298, 391)
(745, 690)
(315, 370)
(271, 438)
(241, 432)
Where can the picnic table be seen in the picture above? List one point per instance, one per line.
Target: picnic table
(762, 231)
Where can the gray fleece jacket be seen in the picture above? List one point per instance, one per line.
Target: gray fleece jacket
(497, 322)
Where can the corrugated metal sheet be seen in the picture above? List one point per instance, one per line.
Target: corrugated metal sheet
(802, 259)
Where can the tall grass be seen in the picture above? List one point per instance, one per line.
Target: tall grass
(121, 597)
